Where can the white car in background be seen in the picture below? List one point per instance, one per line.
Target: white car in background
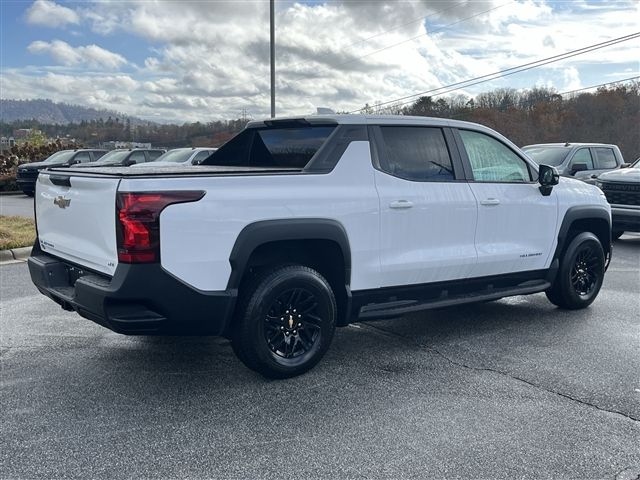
(181, 156)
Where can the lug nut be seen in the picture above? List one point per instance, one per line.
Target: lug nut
(299, 325)
(295, 333)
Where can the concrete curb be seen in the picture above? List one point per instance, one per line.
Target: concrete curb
(15, 255)
(13, 192)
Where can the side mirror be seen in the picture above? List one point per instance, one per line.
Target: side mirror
(73, 162)
(578, 167)
(548, 177)
(625, 165)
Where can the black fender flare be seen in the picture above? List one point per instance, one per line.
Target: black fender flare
(582, 212)
(266, 231)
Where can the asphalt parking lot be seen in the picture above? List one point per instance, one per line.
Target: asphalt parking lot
(508, 389)
(16, 205)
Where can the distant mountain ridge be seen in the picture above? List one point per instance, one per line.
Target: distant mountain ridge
(50, 112)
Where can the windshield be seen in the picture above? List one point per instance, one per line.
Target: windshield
(179, 155)
(552, 156)
(115, 156)
(60, 157)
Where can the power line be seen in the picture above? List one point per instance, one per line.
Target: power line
(510, 71)
(562, 93)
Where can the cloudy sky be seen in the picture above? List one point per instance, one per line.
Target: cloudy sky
(203, 60)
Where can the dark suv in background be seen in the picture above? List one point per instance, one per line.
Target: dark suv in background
(622, 189)
(28, 173)
(126, 158)
(584, 161)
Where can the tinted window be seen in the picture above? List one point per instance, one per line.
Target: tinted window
(605, 158)
(154, 154)
(82, 157)
(416, 153)
(97, 155)
(200, 156)
(272, 147)
(493, 161)
(583, 156)
(137, 157)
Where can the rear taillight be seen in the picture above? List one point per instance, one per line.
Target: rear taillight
(138, 222)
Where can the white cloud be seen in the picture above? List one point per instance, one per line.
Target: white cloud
(571, 79)
(65, 54)
(50, 14)
(210, 60)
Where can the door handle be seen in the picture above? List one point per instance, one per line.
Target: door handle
(401, 204)
(490, 201)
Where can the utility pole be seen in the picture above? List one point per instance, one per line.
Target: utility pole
(273, 56)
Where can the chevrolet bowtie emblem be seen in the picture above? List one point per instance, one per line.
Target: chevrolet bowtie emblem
(61, 201)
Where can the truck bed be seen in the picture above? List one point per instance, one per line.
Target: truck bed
(178, 170)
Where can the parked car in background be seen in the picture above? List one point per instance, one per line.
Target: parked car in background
(183, 156)
(28, 173)
(622, 189)
(126, 158)
(584, 161)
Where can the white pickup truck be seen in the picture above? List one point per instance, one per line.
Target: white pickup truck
(299, 225)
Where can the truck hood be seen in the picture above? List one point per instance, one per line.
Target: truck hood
(627, 175)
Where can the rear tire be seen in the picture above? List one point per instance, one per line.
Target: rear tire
(285, 321)
(581, 273)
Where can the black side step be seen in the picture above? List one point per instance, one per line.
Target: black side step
(403, 307)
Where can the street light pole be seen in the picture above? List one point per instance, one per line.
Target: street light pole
(273, 57)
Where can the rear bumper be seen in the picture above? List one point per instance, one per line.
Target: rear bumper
(138, 300)
(625, 219)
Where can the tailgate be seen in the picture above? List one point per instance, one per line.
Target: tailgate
(76, 219)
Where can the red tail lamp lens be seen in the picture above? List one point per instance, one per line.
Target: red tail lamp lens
(138, 225)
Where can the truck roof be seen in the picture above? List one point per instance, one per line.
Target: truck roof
(347, 119)
(571, 144)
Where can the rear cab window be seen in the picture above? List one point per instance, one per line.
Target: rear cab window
(272, 147)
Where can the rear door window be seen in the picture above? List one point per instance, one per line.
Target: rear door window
(605, 158)
(282, 147)
(416, 153)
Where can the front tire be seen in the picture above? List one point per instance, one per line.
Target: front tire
(581, 273)
(285, 322)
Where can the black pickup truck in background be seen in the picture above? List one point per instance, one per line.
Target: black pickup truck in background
(622, 189)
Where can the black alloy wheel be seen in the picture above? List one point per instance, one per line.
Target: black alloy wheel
(585, 271)
(580, 274)
(285, 321)
(292, 324)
